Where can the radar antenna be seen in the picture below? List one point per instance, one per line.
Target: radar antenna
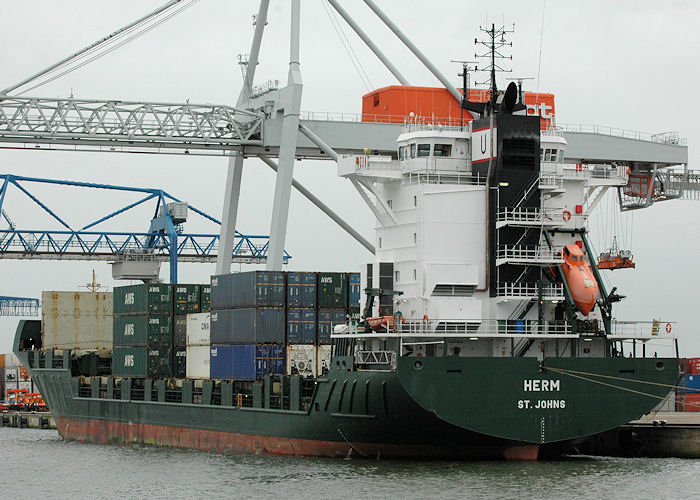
(495, 42)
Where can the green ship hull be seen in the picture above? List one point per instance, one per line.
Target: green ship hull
(515, 408)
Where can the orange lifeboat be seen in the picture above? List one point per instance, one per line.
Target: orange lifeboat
(580, 279)
(382, 323)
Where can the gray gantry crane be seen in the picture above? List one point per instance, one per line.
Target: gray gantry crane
(267, 122)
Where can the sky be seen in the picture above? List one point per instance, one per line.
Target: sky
(626, 64)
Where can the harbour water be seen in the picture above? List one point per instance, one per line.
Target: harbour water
(39, 464)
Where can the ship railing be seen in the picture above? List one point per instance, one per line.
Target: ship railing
(672, 138)
(528, 254)
(386, 358)
(617, 173)
(553, 291)
(551, 181)
(472, 329)
(644, 329)
(464, 178)
(530, 216)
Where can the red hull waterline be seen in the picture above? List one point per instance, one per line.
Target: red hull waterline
(112, 432)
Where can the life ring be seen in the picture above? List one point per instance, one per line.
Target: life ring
(566, 215)
(668, 327)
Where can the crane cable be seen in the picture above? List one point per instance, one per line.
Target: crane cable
(133, 32)
(348, 47)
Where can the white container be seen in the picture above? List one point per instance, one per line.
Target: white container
(197, 361)
(301, 360)
(76, 320)
(9, 385)
(323, 359)
(25, 385)
(11, 374)
(198, 329)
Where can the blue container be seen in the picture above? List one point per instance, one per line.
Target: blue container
(301, 289)
(261, 325)
(246, 362)
(354, 290)
(249, 289)
(689, 384)
(301, 326)
(327, 319)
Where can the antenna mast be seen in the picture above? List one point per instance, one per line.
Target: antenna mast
(495, 42)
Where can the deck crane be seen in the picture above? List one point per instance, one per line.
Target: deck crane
(266, 122)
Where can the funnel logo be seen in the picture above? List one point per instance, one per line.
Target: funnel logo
(542, 109)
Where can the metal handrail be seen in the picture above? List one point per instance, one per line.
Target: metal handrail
(552, 290)
(529, 252)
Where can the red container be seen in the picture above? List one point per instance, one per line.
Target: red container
(680, 402)
(692, 402)
(398, 104)
(692, 366)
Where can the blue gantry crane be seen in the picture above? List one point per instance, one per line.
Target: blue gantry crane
(165, 239)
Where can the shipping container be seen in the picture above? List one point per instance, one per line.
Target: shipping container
(198, 329)
(76, 320)
(354, 291)
(323, 359)
(205, 297)
(186, 299)
(143, 299)
(180, 330)
(180, 362)
(9, 384)
(246, 362)
(249, 289)
(332, 290)
(160, 362)
(22, 373)
(11, 374)
(25, 384)
(259, 325)
(688, 402)
(301, 360)
(399, 103)
(146, 329)
(689, 384)
(301, 326)
(198, 364)
(692, 366)
(301, 289)
(327, 319)
(129, 361)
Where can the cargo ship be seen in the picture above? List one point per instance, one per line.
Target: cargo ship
(482, 330)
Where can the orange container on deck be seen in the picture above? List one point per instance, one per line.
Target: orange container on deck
(398, 104)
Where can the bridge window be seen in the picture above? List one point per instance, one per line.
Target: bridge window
(413, 150)
(402, 152)
(396, 276)
(442, 150)
(561, 156)
(423, 150)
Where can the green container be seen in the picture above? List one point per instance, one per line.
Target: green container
(186, 299)
(205, 297)
(142, 330)
(143, 299)
(332, 290)
(160, 362)
(129, 361)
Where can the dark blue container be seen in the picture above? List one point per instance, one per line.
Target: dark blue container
(327, 319)
(301, 326)
(301, 289)
(251, 325)
(689, 384)
(354, 290)
(246, 362)
(249, 289)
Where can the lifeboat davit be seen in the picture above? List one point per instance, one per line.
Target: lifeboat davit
(579, 277)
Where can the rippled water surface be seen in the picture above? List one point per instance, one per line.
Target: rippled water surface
(39, 464)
